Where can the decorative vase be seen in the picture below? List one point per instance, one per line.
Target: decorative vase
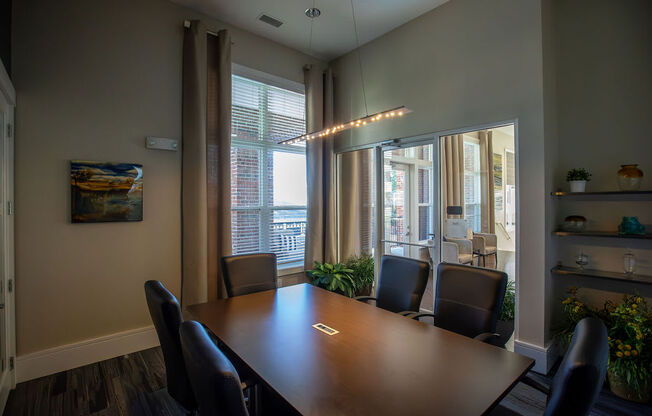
(574, 223)
(577, 186)
(621, 388)
(629, 262)
(629, 178)
(630, 225)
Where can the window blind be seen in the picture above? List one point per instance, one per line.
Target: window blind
(268, 180)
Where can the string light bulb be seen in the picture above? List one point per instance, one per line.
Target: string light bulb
(362, 121)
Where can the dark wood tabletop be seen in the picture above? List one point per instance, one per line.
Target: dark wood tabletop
(379, 363)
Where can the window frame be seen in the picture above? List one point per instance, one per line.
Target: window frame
(263, 148)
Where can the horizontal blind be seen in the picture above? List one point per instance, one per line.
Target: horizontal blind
(267, 180)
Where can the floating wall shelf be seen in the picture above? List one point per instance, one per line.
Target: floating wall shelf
(608, 234)
(603, 193)
(576, 271)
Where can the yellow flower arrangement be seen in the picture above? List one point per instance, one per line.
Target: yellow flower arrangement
(629, 326)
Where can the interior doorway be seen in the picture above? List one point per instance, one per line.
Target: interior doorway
(479, 198)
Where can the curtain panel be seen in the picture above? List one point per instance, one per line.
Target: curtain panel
(206, 163)
(321, 243)
(453, 172)
(487, 182)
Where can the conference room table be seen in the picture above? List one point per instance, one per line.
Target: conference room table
(377, 363)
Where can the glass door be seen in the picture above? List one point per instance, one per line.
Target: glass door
(408, 189)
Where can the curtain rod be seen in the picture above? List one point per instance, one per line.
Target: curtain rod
(187, 24)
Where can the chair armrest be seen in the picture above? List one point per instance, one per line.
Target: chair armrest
(535, 384)
(416, 316)
(487, 337)
(490, 239)
(407, 313)
(465, 246)
(364, 298)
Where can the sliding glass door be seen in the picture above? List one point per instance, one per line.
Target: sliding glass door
(407, 192)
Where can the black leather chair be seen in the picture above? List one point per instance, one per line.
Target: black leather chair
(249, 273)
(166, 315)
(580, 377)
(401, 283)
(214, 380)
(468, 300)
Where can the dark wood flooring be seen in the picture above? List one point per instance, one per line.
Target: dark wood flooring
(134, 385)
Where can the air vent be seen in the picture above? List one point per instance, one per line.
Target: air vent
(270, 20)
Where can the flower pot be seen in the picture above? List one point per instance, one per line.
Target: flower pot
(621, 388)
(577, 186)
(629, 178)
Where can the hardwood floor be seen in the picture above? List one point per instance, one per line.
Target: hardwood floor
(128, 385)
(134, 385)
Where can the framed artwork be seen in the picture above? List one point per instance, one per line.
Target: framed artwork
(106, 192)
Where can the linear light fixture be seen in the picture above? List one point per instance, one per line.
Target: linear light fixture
(359, 122)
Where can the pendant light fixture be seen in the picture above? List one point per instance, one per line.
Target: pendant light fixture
(313, 13)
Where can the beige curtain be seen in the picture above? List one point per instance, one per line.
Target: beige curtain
(453, 172)
(355, 203)
(206, 183)
(487, 182)
(320, 235)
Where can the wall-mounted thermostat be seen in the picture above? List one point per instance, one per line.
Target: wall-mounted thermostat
(160, 143)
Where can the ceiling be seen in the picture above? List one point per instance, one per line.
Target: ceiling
(333, 33)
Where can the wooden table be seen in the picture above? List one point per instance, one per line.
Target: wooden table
(379, 363)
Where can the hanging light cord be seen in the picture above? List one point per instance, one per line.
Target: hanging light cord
(312, 20)
(357, 42)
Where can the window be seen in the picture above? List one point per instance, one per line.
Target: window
(472, 190)
(268, 180)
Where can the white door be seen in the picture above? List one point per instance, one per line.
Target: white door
(7, 308)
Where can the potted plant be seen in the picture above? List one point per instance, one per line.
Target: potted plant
(505, 324)
(363, 273)
(629, 327)
(630, 341)
(578, 179)
(336, 278)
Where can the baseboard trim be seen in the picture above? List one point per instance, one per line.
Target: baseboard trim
(545, 357)
(66, 357)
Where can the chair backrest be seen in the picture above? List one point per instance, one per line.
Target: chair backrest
(166, 316)
(401, 283)
(468, 299)
(214, 380)
(580, 377)
(456, 228)
(249, 273)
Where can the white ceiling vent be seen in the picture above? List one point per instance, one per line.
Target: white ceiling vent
(270, 20)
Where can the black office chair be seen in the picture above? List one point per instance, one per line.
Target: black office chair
(401, 283)
(214, 380)
(468, 300)
(166, 315)
(249, 273)
(580, 377)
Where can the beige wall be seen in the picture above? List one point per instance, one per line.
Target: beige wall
(464, 64)
(93, 78)
(603, 89)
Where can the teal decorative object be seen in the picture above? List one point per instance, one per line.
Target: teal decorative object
(630, 225)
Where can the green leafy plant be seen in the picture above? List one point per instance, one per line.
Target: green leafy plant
(630, 342)
(362, 267)
(629, 327)
(336, 278)
(580, 174)
(509, 302)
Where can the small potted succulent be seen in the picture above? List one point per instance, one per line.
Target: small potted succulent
(578, 179)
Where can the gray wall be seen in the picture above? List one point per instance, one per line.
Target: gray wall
(464, 64)
(93, 78)
(602, 66)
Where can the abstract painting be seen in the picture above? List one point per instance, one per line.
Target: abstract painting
(106, 192)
